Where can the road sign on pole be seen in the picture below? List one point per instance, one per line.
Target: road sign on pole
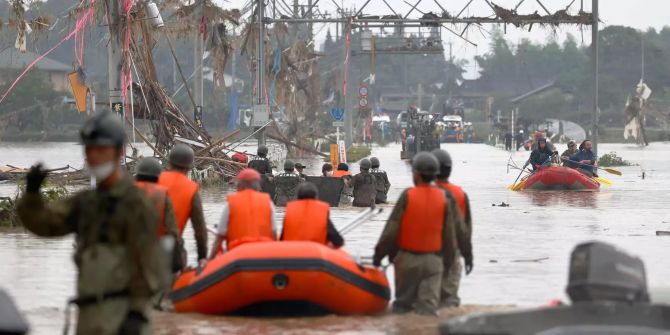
(337, 113)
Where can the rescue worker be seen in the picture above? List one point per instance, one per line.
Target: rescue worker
(452, 275)
(382, 183)
(364, 186)
(248, 216)
(541, 156)
(185, 197)
(146, 179)
(327, 170)
(299, 168)
(587, 159)
(261, 163)
(286, 184)
(342, 170)
(569, 152)
(117, 251)
(419, 238)
(308, 219)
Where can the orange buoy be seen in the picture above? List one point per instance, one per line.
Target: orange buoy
(305, 277)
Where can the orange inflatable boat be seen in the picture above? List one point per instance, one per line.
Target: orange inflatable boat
(296, 278)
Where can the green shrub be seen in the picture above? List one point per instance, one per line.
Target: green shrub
(611, 159)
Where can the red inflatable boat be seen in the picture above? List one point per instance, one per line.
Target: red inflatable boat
(293, 278)
(560, 178)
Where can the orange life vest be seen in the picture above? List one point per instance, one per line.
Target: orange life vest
(249, 218)
(422, 223)
(181, 191)
(341, 173)
(306, 220)
(458, 194)
(157, 195)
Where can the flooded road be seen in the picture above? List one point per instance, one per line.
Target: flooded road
(521, 251)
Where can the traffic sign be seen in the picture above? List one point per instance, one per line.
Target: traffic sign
(337, 113)
(363, 102)
(363, 90)
(338, 123)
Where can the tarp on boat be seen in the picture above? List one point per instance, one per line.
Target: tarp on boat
(330, 188)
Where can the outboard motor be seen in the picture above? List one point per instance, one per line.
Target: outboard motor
(601, 272)
(608, 288)
(11, 321)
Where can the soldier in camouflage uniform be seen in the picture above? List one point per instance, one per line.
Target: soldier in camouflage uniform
(286, 184)
(382, 183)
(261, 163)
(364, 185)
(117, 250)
(420, 238)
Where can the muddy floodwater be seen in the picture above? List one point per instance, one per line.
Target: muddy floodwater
(521, 251)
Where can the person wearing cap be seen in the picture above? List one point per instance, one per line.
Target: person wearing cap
(541, 156)
(117, 251)
(286, 184)
(419, 238)
(248, 215)
(299, 168)
(452, 275)
(261, 163)
(342, 170)
(146, 179)
(185, 197)
(308, 219)
(364, 186)
(569, 152)
(382, 183)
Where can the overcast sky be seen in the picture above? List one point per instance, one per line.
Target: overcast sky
(641, 14)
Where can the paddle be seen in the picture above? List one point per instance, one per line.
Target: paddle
(353, 224)
(513, 187)
(603, 181)
(612, 171)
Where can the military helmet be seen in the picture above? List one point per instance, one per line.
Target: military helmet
(262, 150)
(288, 165)
(443, 157)
(425, 163)
(365, 164)
(104, 129)
(148, 167)
(248, 175)
(307, 190)
(181, 156)
(375, 162)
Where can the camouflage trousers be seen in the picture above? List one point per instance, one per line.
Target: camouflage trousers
(450, 283)
(105, 318)
(417, 282)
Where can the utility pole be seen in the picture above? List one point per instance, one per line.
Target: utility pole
(115, 61)
(260, 68)
(197, 56)
(594, 63)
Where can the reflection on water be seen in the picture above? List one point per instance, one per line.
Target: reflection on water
(563, 198)
(537, 225)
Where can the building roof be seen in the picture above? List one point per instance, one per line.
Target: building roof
(10, 58)
(533, 92)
